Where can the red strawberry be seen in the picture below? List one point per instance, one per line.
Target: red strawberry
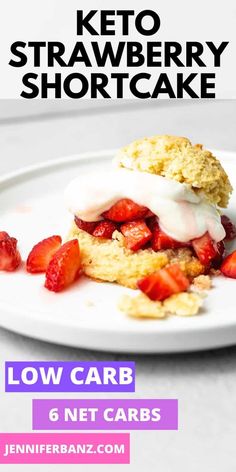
(41, 254)
(164, 283)
(228, 267)
(205, 248)
(10, 258)
(161, 240)
(136, 233)
(229, 227)
(220, 248)
(88, 226)
(105, 229)
(125, 210)
(152, 222)
(4, 235)
(150, 214)
(64, 266)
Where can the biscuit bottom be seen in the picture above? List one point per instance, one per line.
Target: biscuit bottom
(109, 261)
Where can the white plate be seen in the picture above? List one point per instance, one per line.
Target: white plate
(86, 315)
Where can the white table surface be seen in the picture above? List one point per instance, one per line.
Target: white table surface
(204, 383)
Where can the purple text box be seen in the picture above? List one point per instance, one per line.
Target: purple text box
(70, 376)
(55, 414)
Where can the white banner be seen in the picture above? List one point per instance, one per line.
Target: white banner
(102, 49)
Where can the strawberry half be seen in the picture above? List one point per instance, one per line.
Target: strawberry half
(161, 240)
(88, 226)
(41, 254)
(164, 283)
(105, 229)
(64, 267)
(228, 267)
(229, 227)
(205, 248)
(125, 210)
(10, 257)
(136, 233)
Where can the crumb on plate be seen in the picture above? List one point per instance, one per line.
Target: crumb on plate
(89, 303)
(183, 304)
(140, 306)
(202, 282)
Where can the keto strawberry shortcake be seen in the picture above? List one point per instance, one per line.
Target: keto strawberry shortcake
(152, 222)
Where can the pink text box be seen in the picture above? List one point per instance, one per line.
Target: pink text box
(58, 448)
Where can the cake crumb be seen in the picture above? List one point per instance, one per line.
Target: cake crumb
(202, 282)
(141, 306)
(183, 304)
(89, 303)
(180, 304)
(215, 272)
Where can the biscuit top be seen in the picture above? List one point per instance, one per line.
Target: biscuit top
(176, 158)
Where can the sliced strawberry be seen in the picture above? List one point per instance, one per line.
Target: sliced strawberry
(229, 227)
(64, 266)
(41, 254)
(228, 268)
(4, 235)
(10, 257)
(125, 210)
(205, 249)
(105, 229)
(88, 226)
(150, 214)
(136, 233)
(164, 283)
(161, 240)
(152, 222)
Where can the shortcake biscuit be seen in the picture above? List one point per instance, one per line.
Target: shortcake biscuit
(178, 159)
(109, 260)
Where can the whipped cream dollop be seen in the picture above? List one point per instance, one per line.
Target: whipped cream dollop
(182, 214)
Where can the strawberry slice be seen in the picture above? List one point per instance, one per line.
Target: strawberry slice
(10, 257)
(41, 254)
(88, 226)
(125, 210)
(136, 233)
(4, 235)
(164, 283)
(64, 267)
(229, 227)
(205, 248)
(228, 267)
(161, 240)
(152, 222)
(105, 229)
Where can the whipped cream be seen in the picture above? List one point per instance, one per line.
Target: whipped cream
(182, 214)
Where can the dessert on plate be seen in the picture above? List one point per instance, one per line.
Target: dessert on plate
(158, 208)
(152, 221)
